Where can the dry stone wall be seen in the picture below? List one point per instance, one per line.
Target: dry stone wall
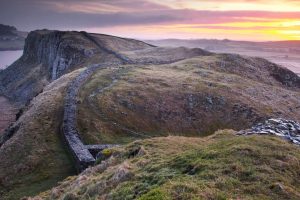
(81, 154)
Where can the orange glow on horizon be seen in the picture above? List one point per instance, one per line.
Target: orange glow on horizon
(262, 5)
(264, 20)
(266, 31)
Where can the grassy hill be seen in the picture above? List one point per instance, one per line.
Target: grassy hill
(193, 97)
(221, 166)
(147, 92)
(35, 157)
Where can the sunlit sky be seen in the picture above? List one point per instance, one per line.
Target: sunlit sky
(254, 20)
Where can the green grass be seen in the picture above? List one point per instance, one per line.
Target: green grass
(221, 166)
(226, 167)
(37, 158)
(155, 101)
(50, 169)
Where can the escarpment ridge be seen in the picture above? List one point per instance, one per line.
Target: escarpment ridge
(50, 54)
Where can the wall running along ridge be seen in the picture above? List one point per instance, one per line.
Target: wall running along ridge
(84, 154)
(80, 152)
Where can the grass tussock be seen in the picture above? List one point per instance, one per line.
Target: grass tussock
(221, 166)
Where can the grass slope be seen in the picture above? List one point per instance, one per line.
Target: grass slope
(221, 166)
(35, 158)
(193, 97)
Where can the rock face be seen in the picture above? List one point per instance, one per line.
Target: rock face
(47, 56)
(286, 129)
(54, 51)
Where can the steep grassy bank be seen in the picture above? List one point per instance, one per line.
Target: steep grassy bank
(35, 158)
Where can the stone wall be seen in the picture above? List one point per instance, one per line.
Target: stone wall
(80, 152)
(102, 47)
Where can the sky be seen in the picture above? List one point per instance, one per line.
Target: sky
(252, 20)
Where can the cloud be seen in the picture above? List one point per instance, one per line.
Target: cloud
(106, 6)
(81, 15)
(34, 14)
(265, 5)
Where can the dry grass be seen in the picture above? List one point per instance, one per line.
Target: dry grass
(193, 97)
(222, 166)
(35, 158)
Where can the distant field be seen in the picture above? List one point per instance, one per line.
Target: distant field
(285, 53)
(288, 60)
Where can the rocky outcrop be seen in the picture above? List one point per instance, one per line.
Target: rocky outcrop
(287, 129)
(47, 55)
(55, 50)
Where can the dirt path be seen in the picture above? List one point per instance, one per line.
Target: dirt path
(7, 113)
